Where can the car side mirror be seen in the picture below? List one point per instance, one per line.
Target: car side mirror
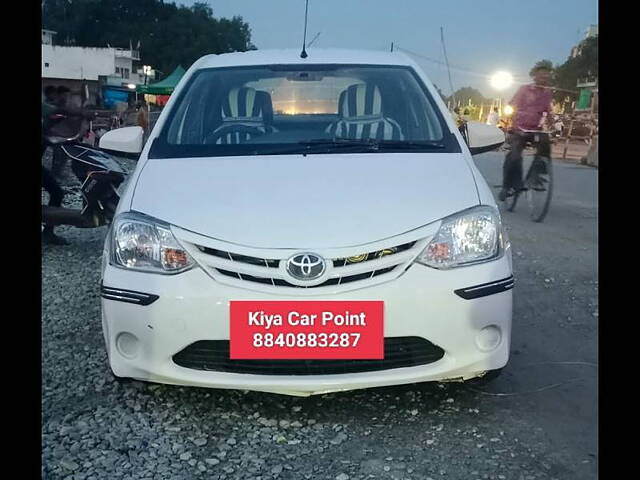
(124, 140)
(483, 138)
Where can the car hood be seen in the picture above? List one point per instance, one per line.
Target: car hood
(312, 201)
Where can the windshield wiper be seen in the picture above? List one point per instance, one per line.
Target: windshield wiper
(372, 144)
(410, 145)
(322, 145)
(309, 146)
(335, 144)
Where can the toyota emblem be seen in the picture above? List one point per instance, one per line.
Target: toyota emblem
(305, 266)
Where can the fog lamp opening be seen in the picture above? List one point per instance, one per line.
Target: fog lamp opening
(127, 344)
(489, 338)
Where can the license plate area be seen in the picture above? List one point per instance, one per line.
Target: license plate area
(306, 330)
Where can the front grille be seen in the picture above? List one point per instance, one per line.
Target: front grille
(283, 283)
(337, 262)
(269, 271)
(399, 352)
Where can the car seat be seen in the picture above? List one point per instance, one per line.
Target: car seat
(246, 113)
(361, 116)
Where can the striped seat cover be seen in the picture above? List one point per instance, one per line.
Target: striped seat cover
(361, 116)
(246, 113)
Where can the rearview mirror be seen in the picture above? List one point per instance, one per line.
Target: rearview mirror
(125, 140)
(483, 138)
(305, 77)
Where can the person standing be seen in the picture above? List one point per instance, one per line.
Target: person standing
(65, 107)
(558, 126)
(49, 182)
(143, 118)
(493, 117)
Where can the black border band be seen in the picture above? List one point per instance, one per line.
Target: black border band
(485, 289)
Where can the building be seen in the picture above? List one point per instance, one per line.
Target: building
(588, 86)
(588, 96)
(47, 37)
(592, 32)
(86, 70)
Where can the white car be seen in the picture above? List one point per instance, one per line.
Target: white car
(306, 225)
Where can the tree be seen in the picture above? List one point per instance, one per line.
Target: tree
(584, 65)
(565, 77)
(463, 95)
(169, 35)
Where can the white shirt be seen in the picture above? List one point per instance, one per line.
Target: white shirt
(493, 118)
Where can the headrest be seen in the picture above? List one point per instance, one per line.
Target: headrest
(360, 100)
(264, 101)
(247, 104)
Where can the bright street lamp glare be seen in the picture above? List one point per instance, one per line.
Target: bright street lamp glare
(501, 80)
(508, 110)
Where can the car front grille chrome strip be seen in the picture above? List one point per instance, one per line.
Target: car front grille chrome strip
(371, 256)
(332, 281)
(241, 268)
(373, 265)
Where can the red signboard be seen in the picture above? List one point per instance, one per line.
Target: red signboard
(309, 330)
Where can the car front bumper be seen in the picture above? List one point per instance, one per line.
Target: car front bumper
(142, 339)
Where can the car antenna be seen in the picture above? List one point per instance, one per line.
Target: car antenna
(446, 59)
(304, 40)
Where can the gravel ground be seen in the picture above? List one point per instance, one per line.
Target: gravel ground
(97, 428)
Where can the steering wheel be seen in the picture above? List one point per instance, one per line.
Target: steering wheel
(241, 130)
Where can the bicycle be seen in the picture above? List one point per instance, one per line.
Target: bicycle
(538, 184)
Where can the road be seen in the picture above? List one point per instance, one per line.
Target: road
(556, 315)
(536, 421)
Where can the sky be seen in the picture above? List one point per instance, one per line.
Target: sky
(481, 36)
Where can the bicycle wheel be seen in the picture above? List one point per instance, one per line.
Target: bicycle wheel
(539, 187)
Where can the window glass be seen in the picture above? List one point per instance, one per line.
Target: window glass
(253, 109)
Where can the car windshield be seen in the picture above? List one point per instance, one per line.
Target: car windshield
(284, 109)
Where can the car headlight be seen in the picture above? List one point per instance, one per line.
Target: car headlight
(465, 238)
(142, 243)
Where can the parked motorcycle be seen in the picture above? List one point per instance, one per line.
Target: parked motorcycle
(98, 172)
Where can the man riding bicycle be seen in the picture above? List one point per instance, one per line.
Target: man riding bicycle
(531, 103)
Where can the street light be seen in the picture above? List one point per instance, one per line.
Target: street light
(146, 69)
(501, 80)
(131, 86)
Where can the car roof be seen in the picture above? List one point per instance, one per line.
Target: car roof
(315, 56)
